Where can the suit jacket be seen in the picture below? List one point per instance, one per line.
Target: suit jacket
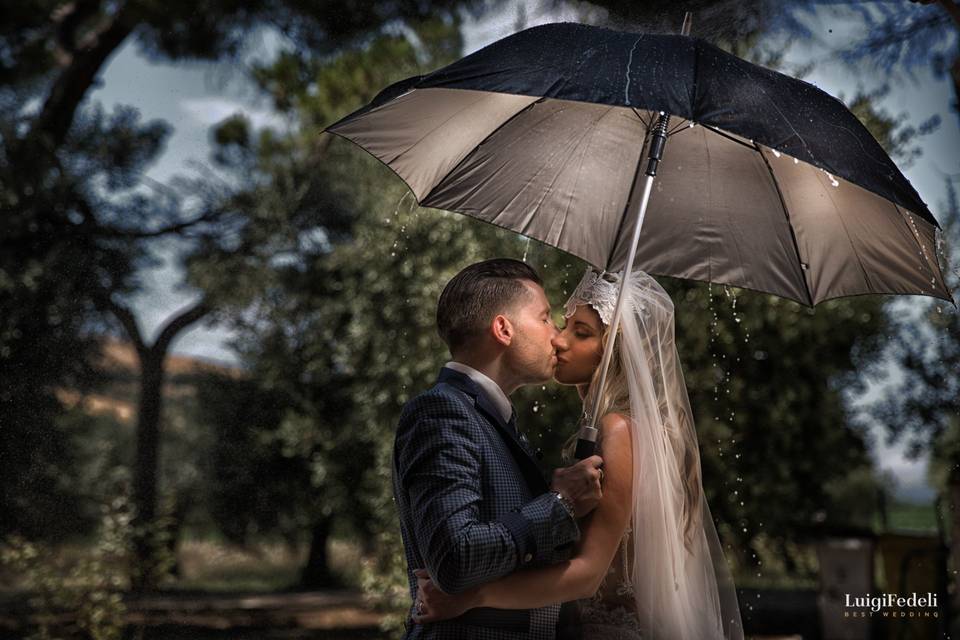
(473, 507)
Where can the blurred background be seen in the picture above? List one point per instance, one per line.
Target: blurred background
(211, 315)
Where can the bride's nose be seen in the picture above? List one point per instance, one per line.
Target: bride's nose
(559, 342)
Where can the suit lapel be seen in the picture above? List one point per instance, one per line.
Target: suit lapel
(528, 466)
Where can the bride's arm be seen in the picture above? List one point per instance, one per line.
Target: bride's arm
(578, 577)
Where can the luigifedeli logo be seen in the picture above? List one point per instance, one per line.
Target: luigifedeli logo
(891, 605)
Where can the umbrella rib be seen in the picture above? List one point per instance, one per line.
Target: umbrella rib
(916, 238)
(684, 124)
(646, 123)
(866, 276)
(500, 126)
(438, 126)
(633, 185)
(566, 210)
(786, 214)
(730, 138)
(576, 145)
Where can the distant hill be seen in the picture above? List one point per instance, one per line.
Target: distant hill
(118, 361)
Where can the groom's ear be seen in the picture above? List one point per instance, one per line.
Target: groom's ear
(502, 330)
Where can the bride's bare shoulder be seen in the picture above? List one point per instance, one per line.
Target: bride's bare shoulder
(615, 425)
(615, 431)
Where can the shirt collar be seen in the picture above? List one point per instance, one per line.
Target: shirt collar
(491, 388)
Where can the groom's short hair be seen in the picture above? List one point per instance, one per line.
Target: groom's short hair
(478, 293)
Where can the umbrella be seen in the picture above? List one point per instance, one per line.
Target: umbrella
(557, 132)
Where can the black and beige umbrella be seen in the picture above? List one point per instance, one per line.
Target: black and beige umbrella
(557, 132)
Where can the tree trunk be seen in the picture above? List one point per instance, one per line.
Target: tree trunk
(148, 547)
(181, 507)
(316, 573)
(146, 470)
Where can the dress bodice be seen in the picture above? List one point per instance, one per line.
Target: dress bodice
(611, 613)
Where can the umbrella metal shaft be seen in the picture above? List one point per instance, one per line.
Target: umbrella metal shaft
(586, 442)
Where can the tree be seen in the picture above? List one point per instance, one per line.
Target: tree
(907, 37)
(71, 178)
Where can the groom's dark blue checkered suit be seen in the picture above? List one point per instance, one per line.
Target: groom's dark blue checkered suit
(474, 507)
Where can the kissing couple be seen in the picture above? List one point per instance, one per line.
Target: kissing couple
(619, 546)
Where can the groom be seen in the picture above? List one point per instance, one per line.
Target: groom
(474, 506)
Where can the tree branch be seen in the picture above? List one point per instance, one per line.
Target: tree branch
(180, 322)
(126, 318)
(953, 9)
(68, 19)
(115, 232)
(72, 84)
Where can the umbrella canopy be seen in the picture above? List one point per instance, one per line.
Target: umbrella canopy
(766, 183)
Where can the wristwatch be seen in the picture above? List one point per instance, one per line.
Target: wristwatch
(566, 504)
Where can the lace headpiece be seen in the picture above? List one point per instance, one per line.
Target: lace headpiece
(597, 289)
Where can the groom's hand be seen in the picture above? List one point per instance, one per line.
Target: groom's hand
(580, 484)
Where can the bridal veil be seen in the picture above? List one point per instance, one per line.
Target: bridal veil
(681, 582)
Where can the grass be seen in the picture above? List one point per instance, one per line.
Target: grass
(211, 565)
(208, 565)
(908, 516)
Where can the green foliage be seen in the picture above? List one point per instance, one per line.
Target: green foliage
(83, 599)
(254, 484)
(384, 577)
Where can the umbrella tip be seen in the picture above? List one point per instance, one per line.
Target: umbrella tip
(687, 23)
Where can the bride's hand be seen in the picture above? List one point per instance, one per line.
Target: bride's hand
(437, 605)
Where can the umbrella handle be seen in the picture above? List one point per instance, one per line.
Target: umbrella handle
(587, 438)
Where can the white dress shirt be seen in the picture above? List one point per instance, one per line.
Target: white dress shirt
(491, 388)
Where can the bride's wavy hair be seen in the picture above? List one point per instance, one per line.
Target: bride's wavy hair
(647, 305)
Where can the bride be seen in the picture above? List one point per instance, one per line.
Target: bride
(649, 563)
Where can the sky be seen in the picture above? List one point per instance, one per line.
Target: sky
(193, 97)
